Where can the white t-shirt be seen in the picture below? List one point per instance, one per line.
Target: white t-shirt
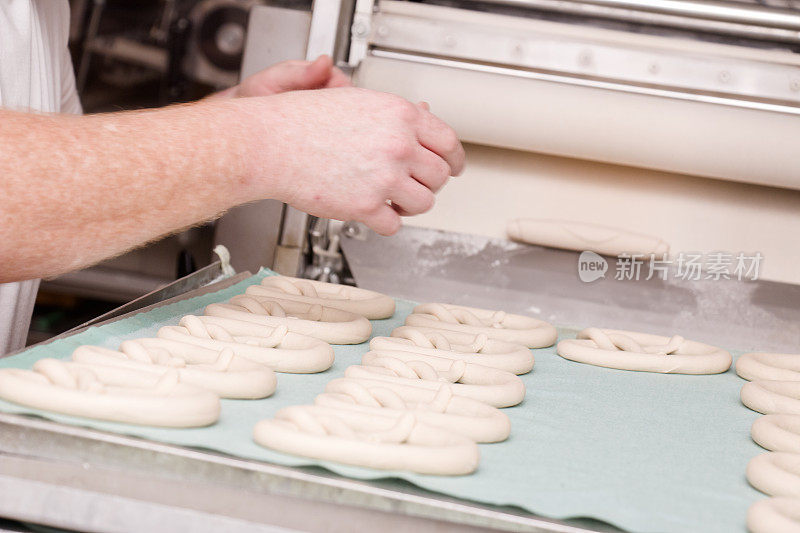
(35, 75)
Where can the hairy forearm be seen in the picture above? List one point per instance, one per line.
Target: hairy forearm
(76, 190)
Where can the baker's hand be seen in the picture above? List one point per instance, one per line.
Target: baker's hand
(289, 76)
(356, 154)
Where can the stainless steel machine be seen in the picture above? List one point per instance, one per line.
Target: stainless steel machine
(678, 118)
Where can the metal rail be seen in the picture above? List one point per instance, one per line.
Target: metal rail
(745, 21)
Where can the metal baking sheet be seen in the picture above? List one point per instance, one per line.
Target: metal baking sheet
(584, 443)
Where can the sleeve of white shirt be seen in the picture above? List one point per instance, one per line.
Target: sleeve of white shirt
(70, 103)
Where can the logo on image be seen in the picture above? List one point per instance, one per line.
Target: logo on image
(591, 266)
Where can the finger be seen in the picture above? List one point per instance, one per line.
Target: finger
(318, 73)
(338, 79)
(384, 220)
(440, 138)
(429, 169)
(411, 197)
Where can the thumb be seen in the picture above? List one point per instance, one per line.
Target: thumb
(318, 72)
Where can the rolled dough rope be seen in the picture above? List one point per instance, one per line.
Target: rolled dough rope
(775, 473)
(497, 325)
(774, 515)
(369, 304)
(580, 236)
(774, 366)
(468, 417)
(230, 376)
(325, 323)
(629, 350)
(770, 396)
(292, 353)
(384, 441)
(478, 349)
(489, 385)
(779, 433)
(74, 389)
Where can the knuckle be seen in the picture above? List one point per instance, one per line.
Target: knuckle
(398, 147)
(443, 169)
(452, 144)
(406, 111)
(429, 202)
(365, 205)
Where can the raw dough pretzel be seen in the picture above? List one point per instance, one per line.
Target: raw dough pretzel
(775, 473)
(230, 376)
(369, 304)
(325, 323)
(74, 389)
(774, 366)
(770, 396)
(385, 441)
(630, 350)
(774, 515)
(488, 385)
(778, 432)
(468, 417)
(497, 325)
(281, 351)
(479, 349)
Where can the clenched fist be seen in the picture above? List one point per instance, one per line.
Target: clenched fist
(350, 154)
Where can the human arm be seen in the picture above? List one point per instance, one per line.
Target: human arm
(77, 190)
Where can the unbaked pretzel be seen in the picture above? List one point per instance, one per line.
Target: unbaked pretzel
(630, 350)
(468, 417)
(74, 389)
(385, 441)
(774, 515)
(489, 385)
(774, 366)
(770, 396)
(775, 473)
(478, 349)
(282, 351)
(777, 432)
(325, 323)
(369, 304)
(230, 376)
(497, 325)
